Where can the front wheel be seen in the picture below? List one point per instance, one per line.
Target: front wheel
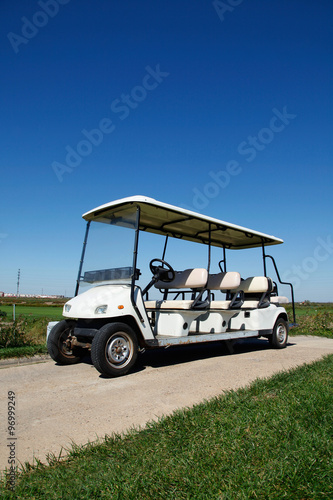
(279, 337)
(58, 347)
(114, 349)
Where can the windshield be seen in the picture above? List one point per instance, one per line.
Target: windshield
(109, 251)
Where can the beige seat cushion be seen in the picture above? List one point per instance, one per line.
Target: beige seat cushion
(279, 300)
(220, 304)
(190, 278)
(224, 281)
(254, 284)
(250, 304)
(169, 304)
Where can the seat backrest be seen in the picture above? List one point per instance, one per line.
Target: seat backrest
(256, 284)
(224, 281)
(190, 278)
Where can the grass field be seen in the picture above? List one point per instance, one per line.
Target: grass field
(313, 319)
(310, 308)
(27, 311)
(26, 336)
(272, 440)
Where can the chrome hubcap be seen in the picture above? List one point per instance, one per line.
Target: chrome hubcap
(281, 334)
(118, 350)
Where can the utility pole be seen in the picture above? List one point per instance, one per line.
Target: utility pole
(18, 283)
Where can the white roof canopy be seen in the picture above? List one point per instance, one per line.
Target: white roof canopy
(161, 218)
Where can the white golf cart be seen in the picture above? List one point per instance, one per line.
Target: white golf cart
(115, 317)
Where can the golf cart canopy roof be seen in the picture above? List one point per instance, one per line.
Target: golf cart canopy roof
(162, 218)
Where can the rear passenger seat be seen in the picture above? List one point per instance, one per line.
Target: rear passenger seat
(225, 282)
(276, 299)
(256, 292)
(251, 293)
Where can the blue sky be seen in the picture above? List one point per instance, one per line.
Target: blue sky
(221, 107)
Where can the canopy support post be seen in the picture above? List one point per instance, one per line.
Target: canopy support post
(82, 259)
(165, 246)
(135, 257)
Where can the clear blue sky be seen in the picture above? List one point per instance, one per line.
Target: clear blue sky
(225, 110)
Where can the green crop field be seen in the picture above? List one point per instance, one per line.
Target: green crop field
(27, 311)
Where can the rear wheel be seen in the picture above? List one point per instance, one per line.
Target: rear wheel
(114, 349)
(279, 337)
(57, 346)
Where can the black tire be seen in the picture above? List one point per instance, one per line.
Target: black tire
(279, 337)
(56, 346)
(114, 349)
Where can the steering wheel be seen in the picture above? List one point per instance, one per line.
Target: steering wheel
(160, 272)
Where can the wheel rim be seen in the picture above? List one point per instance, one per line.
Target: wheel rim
(281, 334)
(119, 350)
(63, 347)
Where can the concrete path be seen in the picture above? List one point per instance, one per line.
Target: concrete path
(56, 405)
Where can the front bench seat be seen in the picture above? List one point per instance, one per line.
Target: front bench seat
(190, 279)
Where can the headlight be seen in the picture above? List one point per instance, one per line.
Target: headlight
(67, 308)
(101, 309)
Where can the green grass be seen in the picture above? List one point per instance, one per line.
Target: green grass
(310, 308)
(272, 440)
(52, 312)
(24, 351)
(313, 319)
(24, 337)
(27, 336)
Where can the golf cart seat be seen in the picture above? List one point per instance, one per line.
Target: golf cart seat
(276, 299)
(256, 292)
(227, 282)
(190, 280)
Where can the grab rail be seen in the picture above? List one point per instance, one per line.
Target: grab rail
(282, 282)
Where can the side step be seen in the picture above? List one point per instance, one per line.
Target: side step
(165, 341)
